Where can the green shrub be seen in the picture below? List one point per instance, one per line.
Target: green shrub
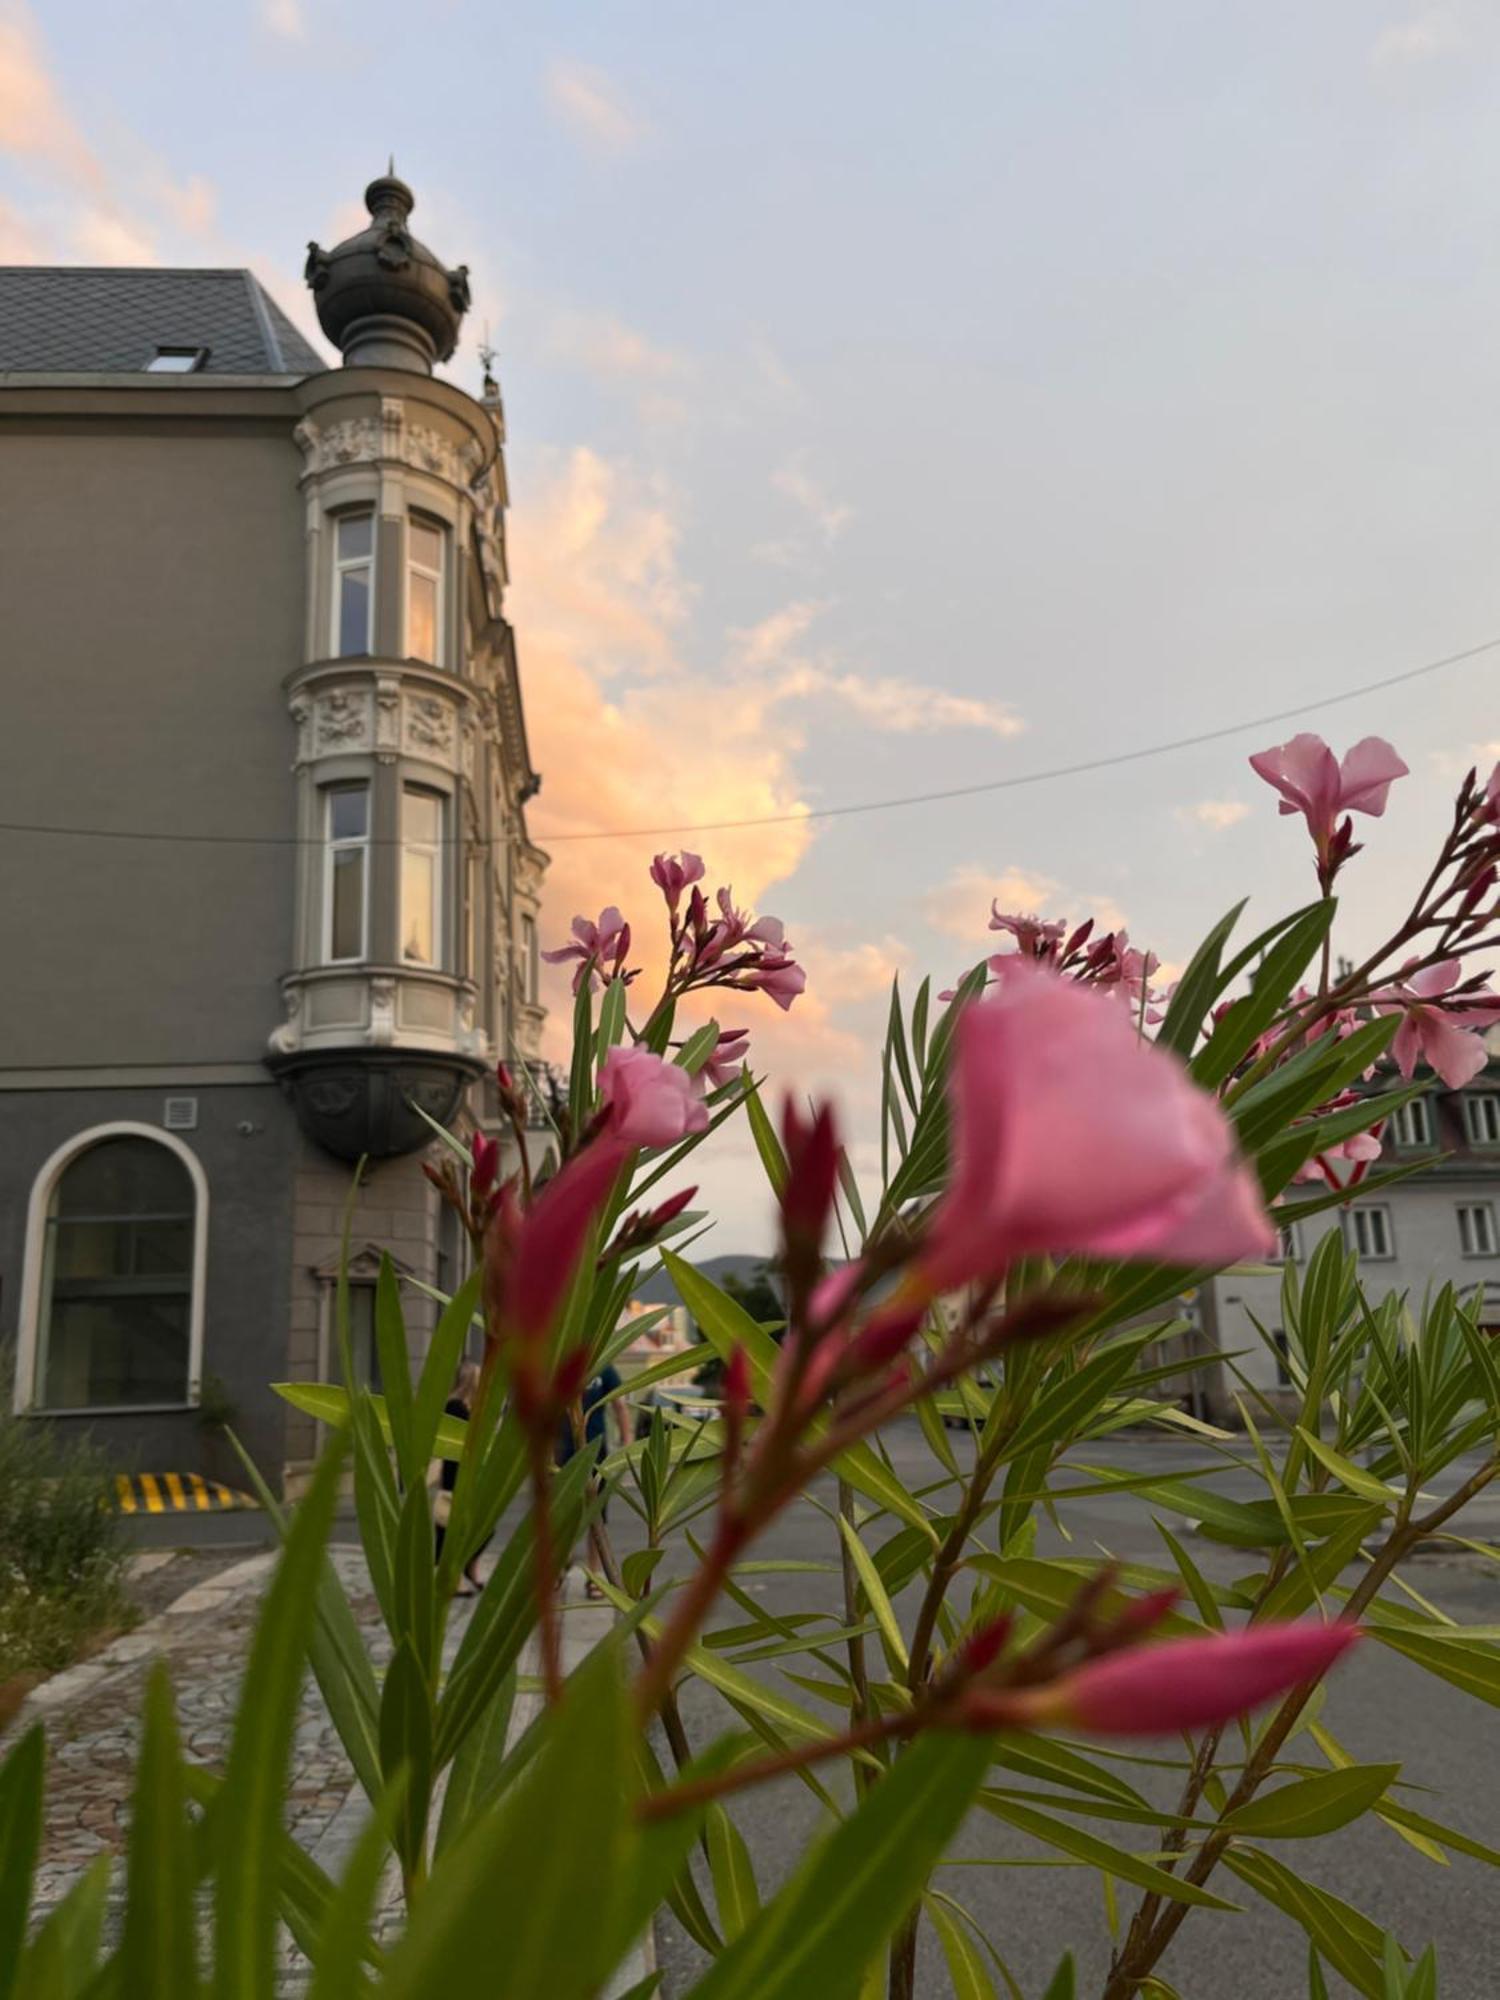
(61, 1557)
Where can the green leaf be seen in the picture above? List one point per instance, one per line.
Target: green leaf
(854, 1887)
(1198, 1586)
(344, 1939)
(1311, 1806)
(895, 1042)
(581, 1074)
(1064, 1982)
(476, 1766)
(880, 1605)
(1198, 988)
(1464, 1663)
(406, 1748)
(61, 1958)
(726, 1325)
(968, 1974)
(1347, 1472)
(1404, 1820)
(733, 1872)
(395, 1368)
(444, 1353)
(611, 1019)
(767, 1143)
(637, 1570)
(414, 1576)
(1279, 971)
(159, 1948)
(1101, 1854)
(260, 1751)
(505, 1908)
(1348, 1940)
(698, 1047)
(506, 1612)
(20, 1840)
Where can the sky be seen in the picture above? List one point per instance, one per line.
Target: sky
(897, 399)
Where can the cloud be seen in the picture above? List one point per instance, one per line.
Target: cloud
(35, 124)
(960, 907)
(1453, 764)
(606, 347)
(1215, 814)
(1435, 32)
(772, 649)
(284, 18)
(829, 516)
(18, 242)
(591, 105)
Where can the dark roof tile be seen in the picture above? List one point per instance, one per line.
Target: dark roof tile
(73, 320)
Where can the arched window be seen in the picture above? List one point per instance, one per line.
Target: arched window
(115, 1275)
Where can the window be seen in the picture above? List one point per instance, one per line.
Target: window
(1370, 1231)
(1476, 1228)
(353, 583)
(118, 1302)
(1283, 1353)
(424, 591)
(473, 891)
(531, 969)
(177, 360)
(1287, 1249)
(364, 1348)
(421, 875)
(1411, 1126)
(1482, 1118)
(346, 871)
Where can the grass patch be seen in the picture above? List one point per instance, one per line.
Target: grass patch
(62, 1558)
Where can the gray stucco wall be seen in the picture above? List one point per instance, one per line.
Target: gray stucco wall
(248, 1144)
(153, 601)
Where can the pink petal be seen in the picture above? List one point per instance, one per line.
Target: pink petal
(1194, 1683)
(1406, 1049)
(1457, 1054)
(1434, 980)
(550, 1237)
(1306, 773)
(1366, 776)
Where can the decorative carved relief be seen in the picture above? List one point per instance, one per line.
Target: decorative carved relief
(300, 708)
(429, 724)
(529, 870)
(382, 1013)
(287, 1039)
(387, 717)
(343, 720)
(359, 440)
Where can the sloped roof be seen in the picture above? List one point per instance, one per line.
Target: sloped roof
(69, 319)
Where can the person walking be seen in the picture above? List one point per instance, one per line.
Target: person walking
(460, 1404)
(596, 1414)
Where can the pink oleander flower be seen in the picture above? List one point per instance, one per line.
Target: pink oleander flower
(1489, 805)
(672, 873)
(1071, 1135)
(1433, 1030)
(603, 946)
(1313, 782)
(484, 1169)
(1176, 1684)
(812, 1176)
(774, 974)
(730, 1054)
(1034, 937)
(530, 1255)
(649, 1102)
(1114, 963)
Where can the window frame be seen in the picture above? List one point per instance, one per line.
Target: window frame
(1382, 1210)
(1485, 1210)
(1489, 1101)
(27, 1387)
(438, 849)
(163, 358)
(1401, 1119)
(1288, 1243)
(345, 566)
(531, 960)
(343, 844)
(439, 580)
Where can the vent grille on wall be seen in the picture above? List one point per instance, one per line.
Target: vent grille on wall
(180, 1114)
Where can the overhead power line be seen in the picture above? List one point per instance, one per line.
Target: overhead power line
(1082, 768)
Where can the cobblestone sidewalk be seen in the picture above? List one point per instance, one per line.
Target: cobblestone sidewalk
(92, 1718)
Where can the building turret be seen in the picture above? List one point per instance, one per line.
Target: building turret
(383, 298)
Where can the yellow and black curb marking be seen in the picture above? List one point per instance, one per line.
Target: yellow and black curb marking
(175, 1493)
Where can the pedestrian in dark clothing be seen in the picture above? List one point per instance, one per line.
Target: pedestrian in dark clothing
(460, 1404)
(596, 1411)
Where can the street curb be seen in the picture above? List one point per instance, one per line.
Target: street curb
(156, 1635)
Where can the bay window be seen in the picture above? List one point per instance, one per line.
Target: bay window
(422, 875)
(424, 591)
(353, 583)
(346, 871)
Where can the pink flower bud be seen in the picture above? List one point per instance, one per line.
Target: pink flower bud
(485, 1154)
(1183, 1683)
(982, 1648)
(737, 1385)
(568, 1378)
(812, 1156)
(649, 1102)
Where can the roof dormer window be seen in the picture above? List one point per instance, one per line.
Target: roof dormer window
(177, 360)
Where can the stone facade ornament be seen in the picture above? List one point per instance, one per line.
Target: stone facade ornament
(387, 439)
(382, 1013)
(429, 724)
(343, 720)
(287, 1039)
(387, 717)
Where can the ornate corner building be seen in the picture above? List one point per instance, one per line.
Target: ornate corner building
(268, 888)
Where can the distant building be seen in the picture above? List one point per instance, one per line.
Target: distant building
(1439, 1227)
(267, 888)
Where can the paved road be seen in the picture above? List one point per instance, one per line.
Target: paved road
(1380, 1706)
